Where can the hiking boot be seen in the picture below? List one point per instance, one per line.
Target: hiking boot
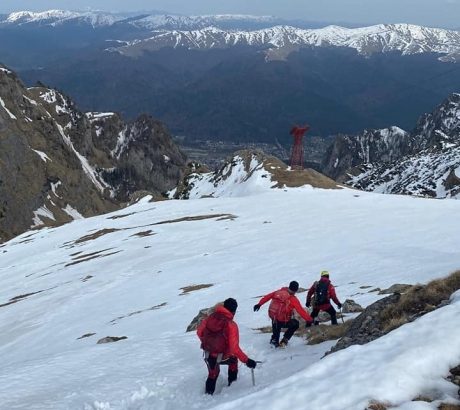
(274, 343)
(232, 376)
(283, 343)
(316, 323)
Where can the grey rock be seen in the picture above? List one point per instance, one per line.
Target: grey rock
(110, 339)
(367, 326)
(350, 306)
(396, 288)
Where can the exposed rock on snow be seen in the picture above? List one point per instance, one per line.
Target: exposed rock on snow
(367, 326)
(248, 172)
(350, 306)
(110, 339)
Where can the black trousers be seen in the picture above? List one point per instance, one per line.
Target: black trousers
(291, 326)
(214, 370)
(332, 313)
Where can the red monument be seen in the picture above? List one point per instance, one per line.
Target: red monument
(297, 148)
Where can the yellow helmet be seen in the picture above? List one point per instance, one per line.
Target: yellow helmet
(324, 273)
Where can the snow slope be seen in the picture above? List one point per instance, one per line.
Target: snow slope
(121, 275)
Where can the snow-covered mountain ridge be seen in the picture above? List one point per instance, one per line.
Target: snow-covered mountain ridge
(59, 17)
(247, 172)
(221, 31)
(145, 21)
(382, 38)
(125, 274)
(424, 162)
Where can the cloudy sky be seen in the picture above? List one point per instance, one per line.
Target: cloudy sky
(440, 13)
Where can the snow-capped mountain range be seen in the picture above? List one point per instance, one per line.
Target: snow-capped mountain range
(148, 21)
(382, 38)
(224, 31)
(60, 17)
(424, 162)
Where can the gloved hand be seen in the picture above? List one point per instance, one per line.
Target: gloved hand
(308, 324)
(307, 304)
(256, 308)
(251, 363)
(339, 306)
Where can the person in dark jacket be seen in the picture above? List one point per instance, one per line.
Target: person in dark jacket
(324, 291)
(219, 336)
(283, 303)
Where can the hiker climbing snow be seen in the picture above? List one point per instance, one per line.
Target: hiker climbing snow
(323, 292)
(283, 302)
(219, 338)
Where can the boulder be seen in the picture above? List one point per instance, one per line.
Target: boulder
(350, 306)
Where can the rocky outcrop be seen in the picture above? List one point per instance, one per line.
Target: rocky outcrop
(348, 152)
(58, 164)
(367, 326)
(425, 162)
(245, 172)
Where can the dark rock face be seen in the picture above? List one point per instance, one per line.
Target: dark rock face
(58, 164)
(367, 326)
(425, 162)
(348, 152)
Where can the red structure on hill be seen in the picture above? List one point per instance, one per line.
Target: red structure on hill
(297, 148)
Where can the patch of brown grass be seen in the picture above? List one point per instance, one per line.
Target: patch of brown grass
(137, 312)
(144, 234)
(418, 300)
(446, 406)
(264, 329)
(95, 235)
(76, 262)
(121, 216)
(193, 288)
(298, 177)
(376, 405)
(16, 299)
(195, 218)
(322, 333)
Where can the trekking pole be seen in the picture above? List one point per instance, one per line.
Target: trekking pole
(341, 315)
(253, 375)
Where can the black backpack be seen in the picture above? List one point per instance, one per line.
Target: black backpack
(321, 293)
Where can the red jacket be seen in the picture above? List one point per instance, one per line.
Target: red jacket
(293, 304)
(330, 295)
(231, 333)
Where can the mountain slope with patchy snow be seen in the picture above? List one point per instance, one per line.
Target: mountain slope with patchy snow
(424, 162)
(57, 163)
(145, 271)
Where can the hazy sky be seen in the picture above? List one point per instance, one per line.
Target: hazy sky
(440, 13)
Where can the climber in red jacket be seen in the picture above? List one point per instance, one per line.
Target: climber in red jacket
(324, 291)
(283, 302)
(219, 338)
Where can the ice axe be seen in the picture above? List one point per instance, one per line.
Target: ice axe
(253, 375)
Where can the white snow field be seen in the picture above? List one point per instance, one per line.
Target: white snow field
(126, 281)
